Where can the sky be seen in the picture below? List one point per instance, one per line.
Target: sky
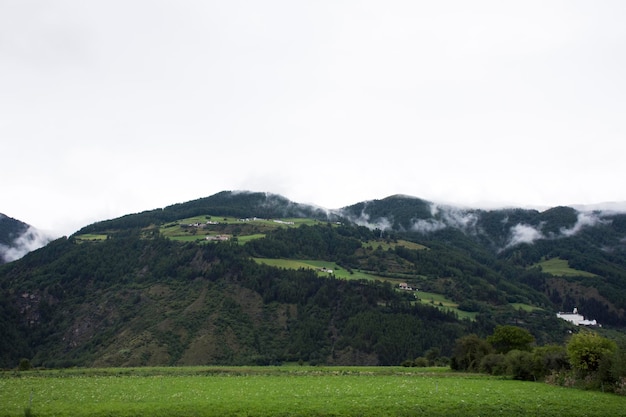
(114, 107)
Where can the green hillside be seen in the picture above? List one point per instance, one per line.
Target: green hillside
(252, 278)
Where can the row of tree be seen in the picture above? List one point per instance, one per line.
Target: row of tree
(587, 360)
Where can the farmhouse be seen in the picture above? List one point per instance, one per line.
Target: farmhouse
(576, 318)
(404, 286)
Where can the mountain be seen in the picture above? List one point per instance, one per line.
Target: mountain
(253, 278)
(18, 238)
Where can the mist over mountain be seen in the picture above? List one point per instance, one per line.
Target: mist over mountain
(254, 278)
(18, 238)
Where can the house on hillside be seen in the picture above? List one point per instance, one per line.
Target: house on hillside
(576, 319)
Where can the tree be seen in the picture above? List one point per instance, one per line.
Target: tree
(520, 364)
(586, 350)
(507, 338)
(24, 365)
(468, 352)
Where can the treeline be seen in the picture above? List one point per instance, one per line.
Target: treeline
(587, 360)
(225, 203)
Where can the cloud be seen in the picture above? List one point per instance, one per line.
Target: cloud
(29, 241)
(381, 223)
(465, 220)
(523, 233)
(428, 225)
(584, 220)
(446, 216)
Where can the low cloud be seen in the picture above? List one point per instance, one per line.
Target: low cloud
(427, 225)
(381, 223)
(443, 217)
(29, 241)
(523, 233)
(584, 220)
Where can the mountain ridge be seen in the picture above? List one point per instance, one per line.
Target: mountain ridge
(18, 238)
(151, 288)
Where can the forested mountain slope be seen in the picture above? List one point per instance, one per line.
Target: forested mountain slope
(18, 238)
(192, 284)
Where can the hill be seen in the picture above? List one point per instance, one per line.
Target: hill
(18, 238)
(253, 278)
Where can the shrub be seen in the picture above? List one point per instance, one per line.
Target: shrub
(24, 365)
(521, 365)
(407, 363)
(420, 362)
(507, 338)
(550, 359)
(493, 363)
(586, 351)
(468, 352)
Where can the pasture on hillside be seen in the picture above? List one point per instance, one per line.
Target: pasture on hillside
(289, 391)
(324, 268)
(560, 268)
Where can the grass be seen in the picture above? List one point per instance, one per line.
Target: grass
(292, 391)
(90, 237)
(338, 271)
(526, 307)
(440, 301)
(560, 267)
(384, 245)
(243, 229)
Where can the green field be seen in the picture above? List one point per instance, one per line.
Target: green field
(384, 245)
(243, 229)
(444, 303)
(90, 237)
(290, 391)
(560, 267)
(338, 271)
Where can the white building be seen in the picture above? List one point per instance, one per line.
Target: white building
(576, 318)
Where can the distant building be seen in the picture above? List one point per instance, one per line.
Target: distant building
(576, 318)
(219, 238)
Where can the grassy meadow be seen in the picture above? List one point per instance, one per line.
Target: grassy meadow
(442, 302)
(244, 229)
(560, 268)
(321, 266)
(289, 391)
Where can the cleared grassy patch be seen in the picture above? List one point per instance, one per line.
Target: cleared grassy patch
(440, 301)
(198, 228)
(525, 307)
(247, 238)
(324, 268)
(384, 245)
(293, 391)
(90, 237)
(560, 268)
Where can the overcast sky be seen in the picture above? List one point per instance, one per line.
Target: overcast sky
(114, 107)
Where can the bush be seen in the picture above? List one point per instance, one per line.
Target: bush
(550, 359)
(407, 363)
(468, 352)
(586, 351)
(494, 364)
(521, 365)
(420, 362)
(24, 365)
(507, 338)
